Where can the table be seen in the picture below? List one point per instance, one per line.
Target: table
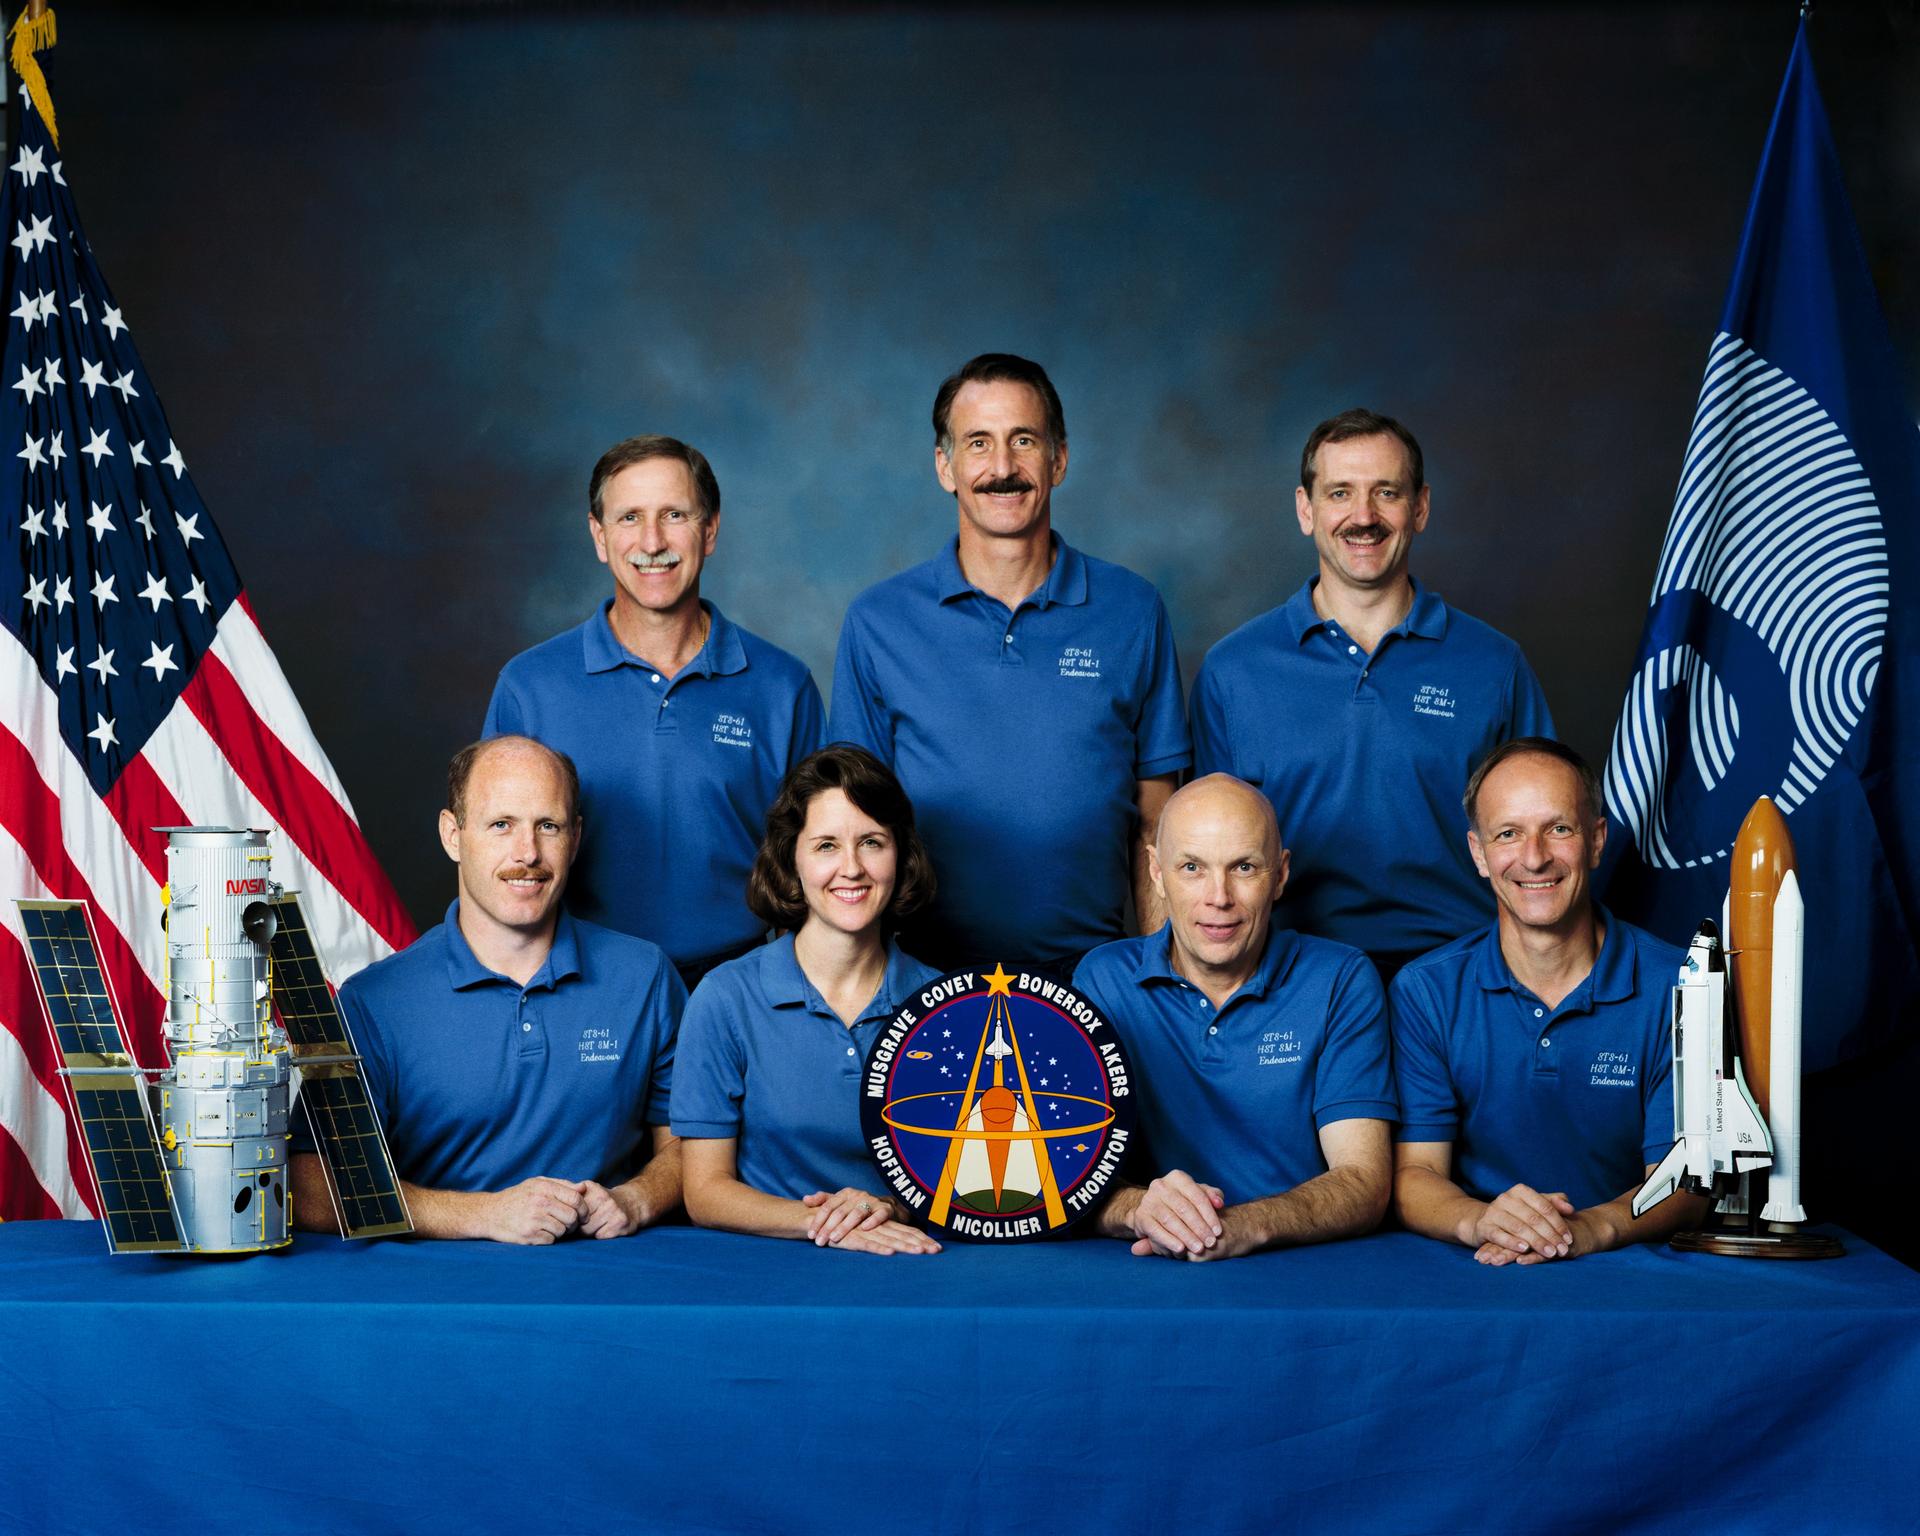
(696, 1381)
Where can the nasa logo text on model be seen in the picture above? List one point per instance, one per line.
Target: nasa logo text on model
(997, 1106)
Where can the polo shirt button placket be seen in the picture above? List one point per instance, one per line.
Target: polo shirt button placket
(1009, 652)
(1543, 1057)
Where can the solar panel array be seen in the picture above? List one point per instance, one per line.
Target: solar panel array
(301, 995)
(346, 1131)
(67, 967)
(113, 1110)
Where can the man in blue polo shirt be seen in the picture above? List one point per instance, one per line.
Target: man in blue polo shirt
(1361, 704)
(517, 1056)
(1535, 1058)
(1259, 1056)
(1027, 695)
(683, 724)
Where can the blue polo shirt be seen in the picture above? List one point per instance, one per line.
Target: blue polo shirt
(1237, 1096)
(1365, 758)
(1576, 1098)
(763, 1059)
(676, 774)
(481, 1082)
(1020, 737)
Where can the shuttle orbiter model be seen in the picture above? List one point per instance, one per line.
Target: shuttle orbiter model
(1736, 1058)
(1719, 1133)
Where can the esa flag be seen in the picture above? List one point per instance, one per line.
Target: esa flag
(135, 688)
(1780, 650)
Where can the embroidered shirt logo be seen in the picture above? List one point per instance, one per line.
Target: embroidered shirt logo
(1079, 661)
(732, 731)
(1429, 699)
(599, 1044)
(1611, 1069)
(1279, 1048)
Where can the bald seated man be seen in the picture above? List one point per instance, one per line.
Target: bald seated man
(520, 1058)
(1260, 1055)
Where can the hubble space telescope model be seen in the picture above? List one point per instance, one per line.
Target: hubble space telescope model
(1736, 1059)
(196, 1161)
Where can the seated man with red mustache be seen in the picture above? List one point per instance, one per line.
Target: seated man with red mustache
(519, 1057)
(1535, 1057)
(1260, 1055)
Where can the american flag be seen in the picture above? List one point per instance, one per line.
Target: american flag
(136, 690)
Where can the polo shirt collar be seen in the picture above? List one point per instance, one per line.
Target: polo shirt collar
(1283, 947)
(1614, 976)
(1428, 615)
(1066, 583)
(785, 985)
(465, 970)
(1426, 618)
(722, 655)
(1616, 972)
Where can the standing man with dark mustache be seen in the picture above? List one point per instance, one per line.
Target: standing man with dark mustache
(683, 723)
(1362, 703)
(1027, 695)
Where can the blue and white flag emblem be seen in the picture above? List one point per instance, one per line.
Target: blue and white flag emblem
(1776, 657)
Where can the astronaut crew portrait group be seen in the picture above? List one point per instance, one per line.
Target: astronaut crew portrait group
(1368, 981)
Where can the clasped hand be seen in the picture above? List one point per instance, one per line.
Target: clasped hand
(1178, 1217)
(860, 1222)
(1523, 1226)
(544, 1210)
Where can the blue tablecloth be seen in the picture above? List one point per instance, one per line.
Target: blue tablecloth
(693, 1381)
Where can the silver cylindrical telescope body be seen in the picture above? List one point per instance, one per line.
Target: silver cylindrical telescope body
(222, 1107)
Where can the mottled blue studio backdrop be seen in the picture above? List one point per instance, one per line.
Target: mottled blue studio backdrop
(401, 272)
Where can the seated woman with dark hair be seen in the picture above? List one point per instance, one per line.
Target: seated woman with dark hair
(766, 1077)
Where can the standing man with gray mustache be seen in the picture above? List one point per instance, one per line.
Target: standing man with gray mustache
(1362, 702)
(682, 723)
(1027, 695)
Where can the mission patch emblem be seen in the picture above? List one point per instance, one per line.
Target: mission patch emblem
(997, 1106)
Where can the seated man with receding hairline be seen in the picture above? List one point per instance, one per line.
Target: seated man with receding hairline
(1260, 1055)
(1534, 1058)
(519, 1057)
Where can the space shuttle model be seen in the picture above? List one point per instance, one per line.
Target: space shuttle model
(1719, 1133)
(195, 1160)
(1736, 1059)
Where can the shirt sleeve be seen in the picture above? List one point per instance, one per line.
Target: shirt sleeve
(1527, 712)
(709, 1066)
(859, 715)
(666, 1006)
(809, 723)
(1429, 1110)
(1212, 741)
(504, 716)
(376, 1071)
(1137, 1163)
(1354, 1077)
(1087, 986)
(1160, 742)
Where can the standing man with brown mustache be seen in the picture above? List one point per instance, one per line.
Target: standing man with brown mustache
(1362, 703)
(682, 722)
(1026, 695)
